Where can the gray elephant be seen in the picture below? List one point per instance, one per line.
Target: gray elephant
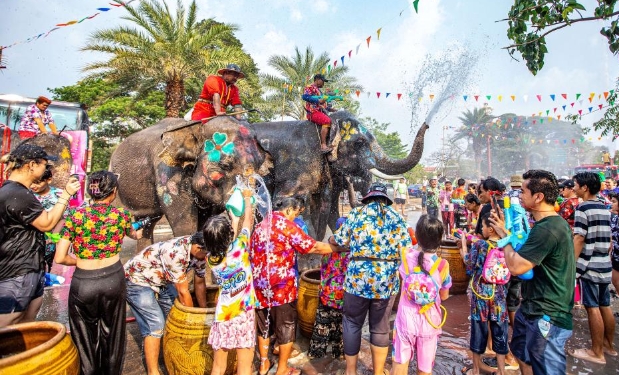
(185, 173)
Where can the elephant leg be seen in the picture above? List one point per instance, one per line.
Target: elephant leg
(147, 236)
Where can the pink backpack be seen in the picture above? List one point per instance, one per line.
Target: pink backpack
(495, 269)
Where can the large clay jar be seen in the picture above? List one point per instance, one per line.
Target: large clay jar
(37, 348)
(185, 342)
(450, 252)
(309, 286)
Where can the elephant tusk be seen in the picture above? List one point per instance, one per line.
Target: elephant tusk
(380, 174)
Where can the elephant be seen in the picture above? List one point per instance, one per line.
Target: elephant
(165, 169)
(185, 174)
(54, 145)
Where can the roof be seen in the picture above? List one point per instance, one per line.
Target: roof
(24, 99)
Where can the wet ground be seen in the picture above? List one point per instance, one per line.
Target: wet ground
(452, 354)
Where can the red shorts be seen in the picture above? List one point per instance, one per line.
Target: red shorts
(23, 134)
(202, 110)
(319, 118)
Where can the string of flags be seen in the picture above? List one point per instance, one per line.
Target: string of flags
(59, 26)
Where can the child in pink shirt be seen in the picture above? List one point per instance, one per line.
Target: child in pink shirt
(416, 332)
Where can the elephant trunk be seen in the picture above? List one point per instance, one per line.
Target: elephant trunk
(390, 166)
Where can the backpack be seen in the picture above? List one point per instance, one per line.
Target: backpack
(495, 269)
(421, 288)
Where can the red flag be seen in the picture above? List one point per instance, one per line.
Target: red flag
(600, 106)
(476, 97)
(399, 96)
(334, 63)
(580, 111)
(564, 96)
(378, 94)
(357, 92)
(349, 53)
(368, 40)
(555, 110)
(539, 97)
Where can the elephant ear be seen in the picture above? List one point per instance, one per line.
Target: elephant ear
(180, 142)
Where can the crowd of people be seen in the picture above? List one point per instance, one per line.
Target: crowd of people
(372, 256)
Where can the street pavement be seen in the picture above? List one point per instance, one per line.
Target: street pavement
(452, 354)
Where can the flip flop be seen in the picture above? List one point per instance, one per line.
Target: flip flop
(612, 353)
(585, 355)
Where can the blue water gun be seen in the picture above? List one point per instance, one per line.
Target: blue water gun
(457, 201)
(518, 229)
(327, 98)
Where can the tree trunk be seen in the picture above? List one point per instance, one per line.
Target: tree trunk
(174, 97)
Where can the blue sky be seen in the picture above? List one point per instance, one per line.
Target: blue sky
(578, 61)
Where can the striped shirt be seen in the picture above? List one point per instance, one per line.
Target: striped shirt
(592, 221)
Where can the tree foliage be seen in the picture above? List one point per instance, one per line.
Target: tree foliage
(284, 89)
(389, 141)
(530, 21)
(166, 52)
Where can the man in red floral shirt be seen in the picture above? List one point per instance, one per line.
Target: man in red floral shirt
(273, 260)
(570, 201)
(316, 109)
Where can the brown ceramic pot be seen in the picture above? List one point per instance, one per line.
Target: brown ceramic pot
(185, 342)
(37, 348)
(309, 287)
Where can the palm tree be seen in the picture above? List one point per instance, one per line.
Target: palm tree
(474, 124)
(165, 51)
(285, 89)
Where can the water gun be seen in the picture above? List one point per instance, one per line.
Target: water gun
(52, 279)
(327, 98)
(137, 225)
(518, 229)
(459, 233)
(52, 237)
(458, 201)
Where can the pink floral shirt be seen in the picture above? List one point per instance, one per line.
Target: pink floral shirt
(162, 263)
(32, 112)
(275, 278)
(332, 276)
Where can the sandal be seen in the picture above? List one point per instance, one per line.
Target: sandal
(612, 353)
(586, 355)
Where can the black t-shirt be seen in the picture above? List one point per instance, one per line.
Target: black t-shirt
(486, 208)
(22, 246)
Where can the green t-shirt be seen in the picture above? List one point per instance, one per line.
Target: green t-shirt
(551, 291)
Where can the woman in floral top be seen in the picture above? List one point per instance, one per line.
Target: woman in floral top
(273, 259)
(35, 118)
(376, 235)
(98, 290)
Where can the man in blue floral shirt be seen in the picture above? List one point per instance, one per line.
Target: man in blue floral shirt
(375, 234)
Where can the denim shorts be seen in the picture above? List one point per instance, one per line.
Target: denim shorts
(594, 294)
(479, 336)
(17, 292)
(150, 310)
(545, 354)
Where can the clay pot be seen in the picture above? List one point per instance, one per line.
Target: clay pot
(451, 253)
(309, 287)
(37, 348)
(185, 342)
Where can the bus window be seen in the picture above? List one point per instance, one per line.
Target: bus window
(64, 117)
(16, 112)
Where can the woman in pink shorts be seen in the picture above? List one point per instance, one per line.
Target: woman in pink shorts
(416, 332)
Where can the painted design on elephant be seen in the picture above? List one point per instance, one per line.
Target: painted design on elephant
(65, 154)
(217, 146)
(347, 130)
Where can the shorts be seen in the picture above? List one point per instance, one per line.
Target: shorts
(513, 294)
(355, 310)
(405, 346)
(17, 292)
(236, 333)
(594, 294)
(149, 310)
(433, 211)
(319, 118)
(479, 336)
(614, 259)
(400, 201)
(282, 322)
(545, 355)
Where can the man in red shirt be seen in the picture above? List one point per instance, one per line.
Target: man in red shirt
(570, 201)
(317, 109)
(218, 93)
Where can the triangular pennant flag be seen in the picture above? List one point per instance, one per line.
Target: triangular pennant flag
(347, 91)
(563, 106)
(368, 40)
(377, 94)
(541, 121)
(488, 97)
(605, 95)
(564, 96)
(368, 94)
(580, 111)
(547, 112)
(465, 97)
(600, 106)
(590, 108)
(552, 96)
(539, 97)
(591, 95)
(358, 45)
(415, 5)
(476, 97)
(513, 97)
(558, 117)
(378, 33)
(500, 97)
(572, 105)
(577, 96)
(554, 110)
(329, 68)
(580, 101)
(399, 96)
(349, 53)
(533, 122)
(358, 92)
(431, 96)
(539, 113)
(525, 97)
(387, 94)
(342, 58)
(334, 63)
(590, 100)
